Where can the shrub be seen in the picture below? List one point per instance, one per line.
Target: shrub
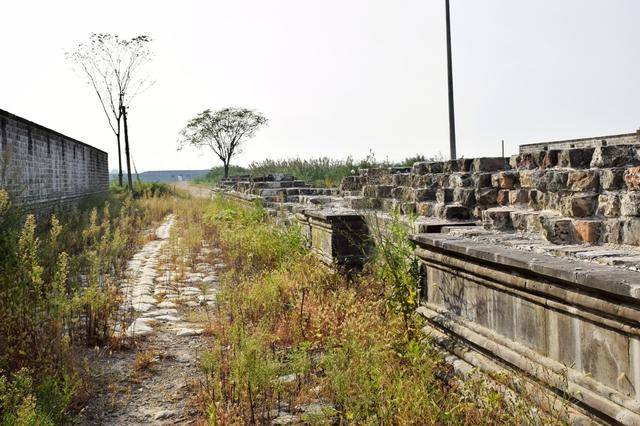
(280, 312)
(58, 292)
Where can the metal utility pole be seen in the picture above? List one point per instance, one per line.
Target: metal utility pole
(452, 120)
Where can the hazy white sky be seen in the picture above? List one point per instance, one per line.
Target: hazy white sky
(337, 77)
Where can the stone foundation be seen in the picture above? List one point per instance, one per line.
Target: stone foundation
(531, 264)
(572, 325)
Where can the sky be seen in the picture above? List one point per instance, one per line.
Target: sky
(336, 78)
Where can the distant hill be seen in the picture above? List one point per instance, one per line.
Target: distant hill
(165, 175)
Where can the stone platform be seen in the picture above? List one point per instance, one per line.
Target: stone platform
(569, 323)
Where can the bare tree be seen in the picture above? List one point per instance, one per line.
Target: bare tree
(116, 70)
(224, 132)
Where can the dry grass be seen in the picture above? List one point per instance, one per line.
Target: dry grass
(59, 292)
(280, 312)
(145, 360)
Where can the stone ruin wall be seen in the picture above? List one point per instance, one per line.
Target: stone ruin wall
(530, 264)
(44, 169)
(578, 195)
(621, 139)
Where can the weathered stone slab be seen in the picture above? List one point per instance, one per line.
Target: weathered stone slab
(565, 322)
(488, 164)
(339, 237)
(615, 156)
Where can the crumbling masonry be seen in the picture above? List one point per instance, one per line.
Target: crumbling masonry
(530, 264)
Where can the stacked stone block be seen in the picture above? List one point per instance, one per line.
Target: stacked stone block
(278, 188)
(576, 195)
(43, 168)
(452, 190)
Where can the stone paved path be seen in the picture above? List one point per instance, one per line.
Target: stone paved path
(153, 381)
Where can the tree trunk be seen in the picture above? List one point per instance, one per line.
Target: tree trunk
(226, 169)
(126, 147)
(119, 156)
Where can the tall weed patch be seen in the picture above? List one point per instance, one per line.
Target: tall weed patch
(58, 291)
(292, 336)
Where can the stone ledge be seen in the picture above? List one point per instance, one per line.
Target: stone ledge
(597, 277)
(479, 346)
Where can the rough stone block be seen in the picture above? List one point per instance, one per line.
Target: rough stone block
(377, 191)
(389, 204)
(611, 179)
(534, 202)
(424, 181)
(498, 219)
(443, 180)
(577, 158)
(579, 205)
(558, 230)
(583, 180)
(419, 168)
(488, 164)
(632, 178)
(386, 180)
(526, 161)
(424, 194)
(356, 203)
(552, 180)
(464, 164)
(630, 231)
(518, 196)
(450, 166)
(444, 195)
(615, 156)
(402, 193)
(486, 196)
(503, 197)
(519, 219)
(513, 161)
(612, 232)
(464, 196)
(434, 167)
(407, 208)
(453, 211)
(504, 180)
(426, 208)
(534, 225)
(609, 204)
(481, 180)
(401, 179)
(549, 200)
(588, 231)
(528, 178)
(370, 191)
(460, 180)
(476, 211)
(352, 183)
(630, 204)
(551, 159)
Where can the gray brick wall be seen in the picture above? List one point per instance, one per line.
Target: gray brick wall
(623, 139)
(41, 167)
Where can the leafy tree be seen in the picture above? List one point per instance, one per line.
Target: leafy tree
(116, 70)
(224, 132)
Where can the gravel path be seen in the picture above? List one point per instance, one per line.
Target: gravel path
(153, 380)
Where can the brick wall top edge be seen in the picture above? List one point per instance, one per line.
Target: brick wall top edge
(46, 129)
(595, 139)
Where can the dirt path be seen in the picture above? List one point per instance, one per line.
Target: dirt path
(196, 190)
(153, 379)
